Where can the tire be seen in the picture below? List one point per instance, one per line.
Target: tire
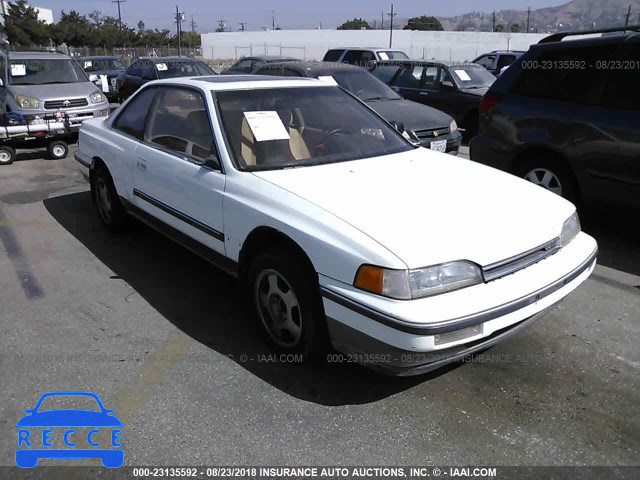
(57, 149)
(110, 209)
(7, 155)
(286, 300)
(550, 173)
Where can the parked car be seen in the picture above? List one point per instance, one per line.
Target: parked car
(103, 71)
(453, 88)
(41, 86)
(566, 116)
(427, 126)
(248, 64)
(338, 228)
(497, 60)
(143, 70)
(363, 56)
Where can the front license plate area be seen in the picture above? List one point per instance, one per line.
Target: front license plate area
(439, 146)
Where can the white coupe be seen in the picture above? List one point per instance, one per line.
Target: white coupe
(342, 232)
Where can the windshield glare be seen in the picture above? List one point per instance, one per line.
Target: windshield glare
(271, 129)
(471, 77)
(364, 86)
(182, 69)
(41, 72)
(393, 55)
(101, 64)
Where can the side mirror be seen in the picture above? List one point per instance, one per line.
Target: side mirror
(447, 84)
(93, 78)
(399, 126)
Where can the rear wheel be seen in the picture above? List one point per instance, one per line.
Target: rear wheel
(7, 155)
(549, 173)
(287, 303)
(112, 213)
(57, 149)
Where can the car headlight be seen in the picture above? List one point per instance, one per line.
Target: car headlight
(570, 230)
(453, 126)
(419, 282)
(27, 102)
(97, 97)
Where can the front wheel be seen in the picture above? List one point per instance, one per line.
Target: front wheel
(7, 155)
(57, 149)
(112, 213)
(287, 303)
(549, 174)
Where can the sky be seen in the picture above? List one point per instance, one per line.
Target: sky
(289, 14)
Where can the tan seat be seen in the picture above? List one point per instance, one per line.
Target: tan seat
(297, 145)
(247, 144)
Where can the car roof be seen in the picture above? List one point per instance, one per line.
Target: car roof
(97, 57)
(166, 59)
(268, 58)
(37, 56)
(425, 63)
(584, 41)
(504, 51)
(241, 82)
(314, 68)
(367, 48)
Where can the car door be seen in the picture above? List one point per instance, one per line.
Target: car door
(407, 82)
(433, 94)
(608, 143)
(178, 178)
(130, 80)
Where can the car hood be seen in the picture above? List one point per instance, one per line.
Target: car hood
(69, 418)
(429, 208)
(479, 92)
(414, 116)
(55, 90)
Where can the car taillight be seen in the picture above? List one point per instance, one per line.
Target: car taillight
(489, 101)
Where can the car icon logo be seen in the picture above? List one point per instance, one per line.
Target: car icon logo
(66, 103)
(69, 433)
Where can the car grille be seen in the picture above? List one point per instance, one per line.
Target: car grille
(519, 262)
(73, 102)
(430, 134)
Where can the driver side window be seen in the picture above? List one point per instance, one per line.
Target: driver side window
(181, 123)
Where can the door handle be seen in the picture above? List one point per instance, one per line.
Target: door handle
(424, 94)
(141, 165)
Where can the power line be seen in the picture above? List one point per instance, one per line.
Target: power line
(119, 12)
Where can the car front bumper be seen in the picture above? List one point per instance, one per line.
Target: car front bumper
(454, 141)
(413, 337)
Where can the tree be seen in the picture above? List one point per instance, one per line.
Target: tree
(423, 23)
(22, 25)
(141, 27)
(96, 18)
(355, 24)
(190, 38)
(499, 28)
(72, 29)
(515, 27)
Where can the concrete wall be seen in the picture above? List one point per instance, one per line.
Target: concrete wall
(312, 44)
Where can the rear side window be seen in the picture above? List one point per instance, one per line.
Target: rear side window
(570, 74)
(132, 120)
(358, 57)
(622, 89)
(505, 60)
(332, 55)
(486, 61)
(410, 77)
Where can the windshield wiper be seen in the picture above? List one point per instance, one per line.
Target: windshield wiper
(372, 99)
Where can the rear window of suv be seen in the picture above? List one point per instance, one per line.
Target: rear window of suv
(571, 74)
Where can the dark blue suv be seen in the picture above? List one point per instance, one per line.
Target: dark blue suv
(566, 116)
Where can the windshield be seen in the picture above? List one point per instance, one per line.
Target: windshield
(42, 72)
(364, 86)
(392, 55)
(101, 64)
(69, 402)
(277, 128)
(182, 69)
(466, 76)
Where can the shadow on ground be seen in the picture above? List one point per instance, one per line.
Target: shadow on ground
(205, 304)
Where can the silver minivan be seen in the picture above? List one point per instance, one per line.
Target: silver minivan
(41, 85)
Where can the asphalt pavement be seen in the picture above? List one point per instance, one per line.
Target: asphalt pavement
(163, 339)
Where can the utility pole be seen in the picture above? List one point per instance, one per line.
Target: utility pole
(114, 1)
(392, 14)
(221, 25)
(273, 19)
(494, 22)
(528, 18)
(179, 19)
(381, 20)
(193, 25)
(242, 24)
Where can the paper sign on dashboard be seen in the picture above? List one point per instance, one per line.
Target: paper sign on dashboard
(162, 67)
(462, 75)
(266, 126)
(328, 79)
(18, 70)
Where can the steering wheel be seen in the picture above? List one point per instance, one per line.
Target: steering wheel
(327, 137)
